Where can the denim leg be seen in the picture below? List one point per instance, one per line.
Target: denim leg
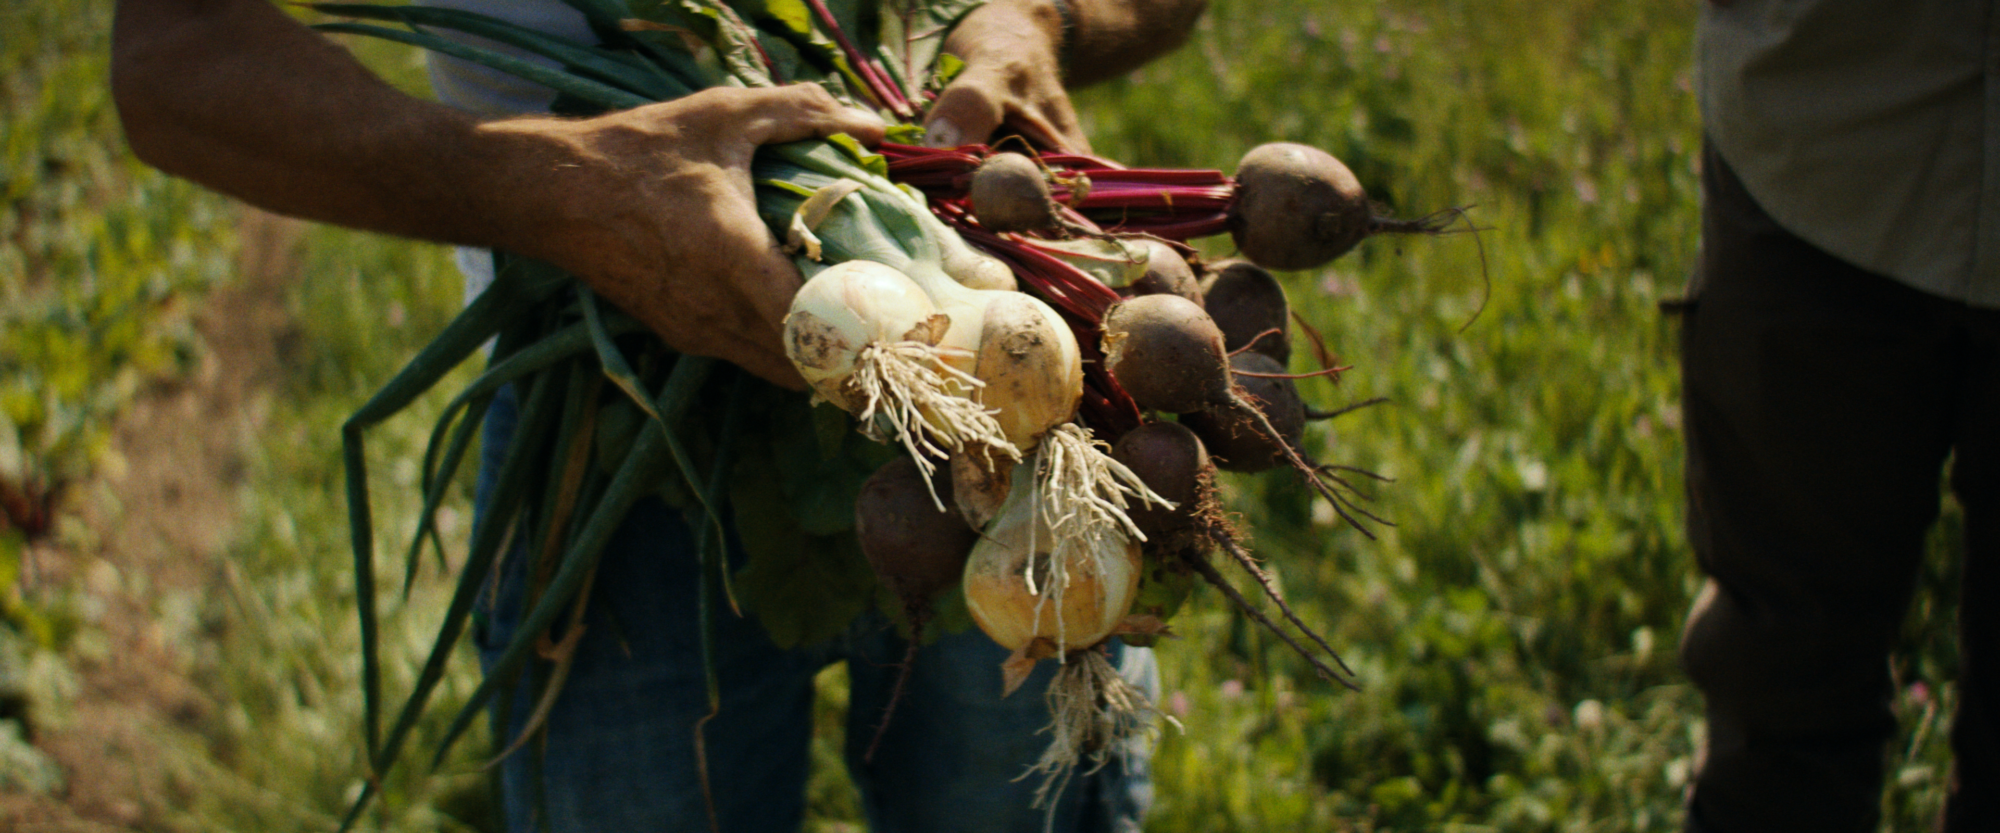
(620, 750)
(953, 756)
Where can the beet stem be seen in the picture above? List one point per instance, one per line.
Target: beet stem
(1249, 564)
(1213, 577)
(1318, 342)
(1315, 416)
(917, 618)
(1331, 371)
(1309, 470)
(1251, 344)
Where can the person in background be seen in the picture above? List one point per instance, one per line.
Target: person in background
(652, 208)
(1841, 345)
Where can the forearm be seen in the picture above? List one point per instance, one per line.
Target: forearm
(239, 97)
(1109, 38)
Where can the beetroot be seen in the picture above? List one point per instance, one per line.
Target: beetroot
(1234, 438)
(1171, 461)
(916, 550)
(1167, 273)
(1298, 207)
(1167, 353)
(1248, 304)
(1009, 193)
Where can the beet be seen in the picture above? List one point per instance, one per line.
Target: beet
(1166, 352)
(1009, 193)
(916, 550)
(1171, 461)
(1237, 442)
(1167, 273)
(1297, 207)
(1247, 303)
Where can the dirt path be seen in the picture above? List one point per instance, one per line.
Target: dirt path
(164, 512)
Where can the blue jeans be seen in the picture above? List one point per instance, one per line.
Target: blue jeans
(620, 754)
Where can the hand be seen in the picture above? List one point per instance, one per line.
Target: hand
(1012, 77)
(654, 208)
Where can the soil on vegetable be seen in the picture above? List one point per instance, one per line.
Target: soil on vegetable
(160, 514)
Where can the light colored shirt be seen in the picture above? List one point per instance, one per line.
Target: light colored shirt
(490, 92)
(1869, 129)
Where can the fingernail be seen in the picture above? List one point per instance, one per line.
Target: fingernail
(943, 134)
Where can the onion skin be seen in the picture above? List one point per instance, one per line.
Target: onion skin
(846, 308)
(980, 481)
(1103, 581)
(1032, 368)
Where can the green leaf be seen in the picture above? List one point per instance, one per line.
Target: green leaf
(869, 160)
(733, 41)
(821, 475)
(805, 589)
(913, 33)
(603, 95)
(619, 69)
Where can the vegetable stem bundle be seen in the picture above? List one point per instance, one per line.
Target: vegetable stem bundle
(983, 329)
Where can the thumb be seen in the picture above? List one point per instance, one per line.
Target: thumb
(963, 114)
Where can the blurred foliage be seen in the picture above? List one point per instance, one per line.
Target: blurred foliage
(1513, 631)
(99, 256)
(99, 259)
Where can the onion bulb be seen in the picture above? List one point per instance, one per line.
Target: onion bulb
(1058, 567)
(867, 339)
(1027, 582)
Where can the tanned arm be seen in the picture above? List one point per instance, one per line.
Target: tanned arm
(653, 207)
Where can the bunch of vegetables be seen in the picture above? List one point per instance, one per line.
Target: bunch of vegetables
(996, 316)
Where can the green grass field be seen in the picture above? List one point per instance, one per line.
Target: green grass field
(1513, 631)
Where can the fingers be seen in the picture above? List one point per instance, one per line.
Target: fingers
(764, 282)
(962, 115)
(770, 366)
(771, 115)
(1022, 95)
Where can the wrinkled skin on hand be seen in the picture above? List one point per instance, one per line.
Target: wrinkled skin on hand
(1012, 77)
(654, 208)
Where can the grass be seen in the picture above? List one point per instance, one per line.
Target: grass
(1514, 630)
